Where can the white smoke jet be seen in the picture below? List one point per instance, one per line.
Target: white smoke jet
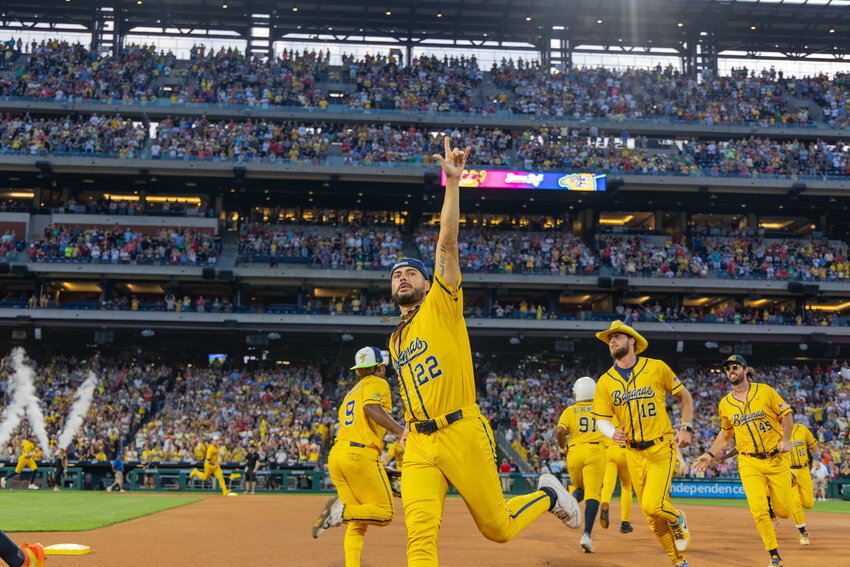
(82, 401)
(14, 412)
(24, 400)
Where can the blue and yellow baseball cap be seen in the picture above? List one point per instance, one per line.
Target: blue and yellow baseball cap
(368, 357)
(737, 358)
(411, 263)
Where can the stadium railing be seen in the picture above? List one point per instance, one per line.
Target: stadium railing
(417, 115)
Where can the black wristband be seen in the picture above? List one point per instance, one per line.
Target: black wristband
(712, 455)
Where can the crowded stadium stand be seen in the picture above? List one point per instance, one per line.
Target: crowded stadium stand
(210, 227)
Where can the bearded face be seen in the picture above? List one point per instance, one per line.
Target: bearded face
(409, 287)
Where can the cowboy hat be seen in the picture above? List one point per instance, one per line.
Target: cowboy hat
(620, 327)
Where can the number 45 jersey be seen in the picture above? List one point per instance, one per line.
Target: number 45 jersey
(354, 425)
(637, 398)
(756, 421)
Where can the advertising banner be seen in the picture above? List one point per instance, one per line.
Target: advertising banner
(498, 179)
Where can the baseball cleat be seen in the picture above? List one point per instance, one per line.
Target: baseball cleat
(626, 528)
(804, 539)
(34, 554)
(33, 486)
(775, 561)
(603, 516)
(586, 544)
(331, 516)
(3, 482)
(566, 508)
(681, 533)
(681, 564)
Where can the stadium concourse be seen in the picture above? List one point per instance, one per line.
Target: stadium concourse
(208, 229)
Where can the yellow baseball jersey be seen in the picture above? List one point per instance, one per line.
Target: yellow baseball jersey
(395, 451)
(433, 360)
(756, 421)
(580, 424)
(354, 424)
(27, 449)
(802, 442)
(637, 402)
(212, 454)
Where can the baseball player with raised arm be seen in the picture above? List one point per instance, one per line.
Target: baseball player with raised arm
(761, 422)
(585, 453)
(634, 392)
(365, 498)
(449, 442)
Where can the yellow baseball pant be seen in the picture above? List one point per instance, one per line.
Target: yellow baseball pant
(462, 454)
(763, 478)
(652, 473)
(209, 470)
(616, 465)
(362, 484)
(24, 462)
(804, 496)
(586, 464)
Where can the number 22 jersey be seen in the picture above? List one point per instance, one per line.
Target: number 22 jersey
(434, 360)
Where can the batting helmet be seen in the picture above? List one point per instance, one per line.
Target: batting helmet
(584, 389)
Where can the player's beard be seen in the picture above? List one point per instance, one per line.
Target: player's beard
(739, 379)
(409, 297)
(620, 351)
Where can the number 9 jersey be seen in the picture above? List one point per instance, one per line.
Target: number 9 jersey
(354, 425)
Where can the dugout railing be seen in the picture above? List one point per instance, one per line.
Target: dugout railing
(97, 476)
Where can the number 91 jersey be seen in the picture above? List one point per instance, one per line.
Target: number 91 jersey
(354, 424)
(580, 425)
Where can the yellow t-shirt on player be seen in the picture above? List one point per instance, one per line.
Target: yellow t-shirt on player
(27, 449)
(638, 403)
(395, 451)
(802, 442)
(756, 422)
(354, 424)
(434, 360)
(580, 424)
(212, 454)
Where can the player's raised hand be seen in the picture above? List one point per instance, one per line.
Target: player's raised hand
(702, 463)
(454, 161)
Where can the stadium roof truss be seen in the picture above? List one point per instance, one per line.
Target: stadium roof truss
(698, 31)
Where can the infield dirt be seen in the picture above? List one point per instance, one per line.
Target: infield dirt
(275, 530)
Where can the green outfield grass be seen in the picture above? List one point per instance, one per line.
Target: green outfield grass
(837, 506)
(30, 511)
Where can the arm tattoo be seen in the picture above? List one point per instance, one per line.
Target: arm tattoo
(442, 260)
